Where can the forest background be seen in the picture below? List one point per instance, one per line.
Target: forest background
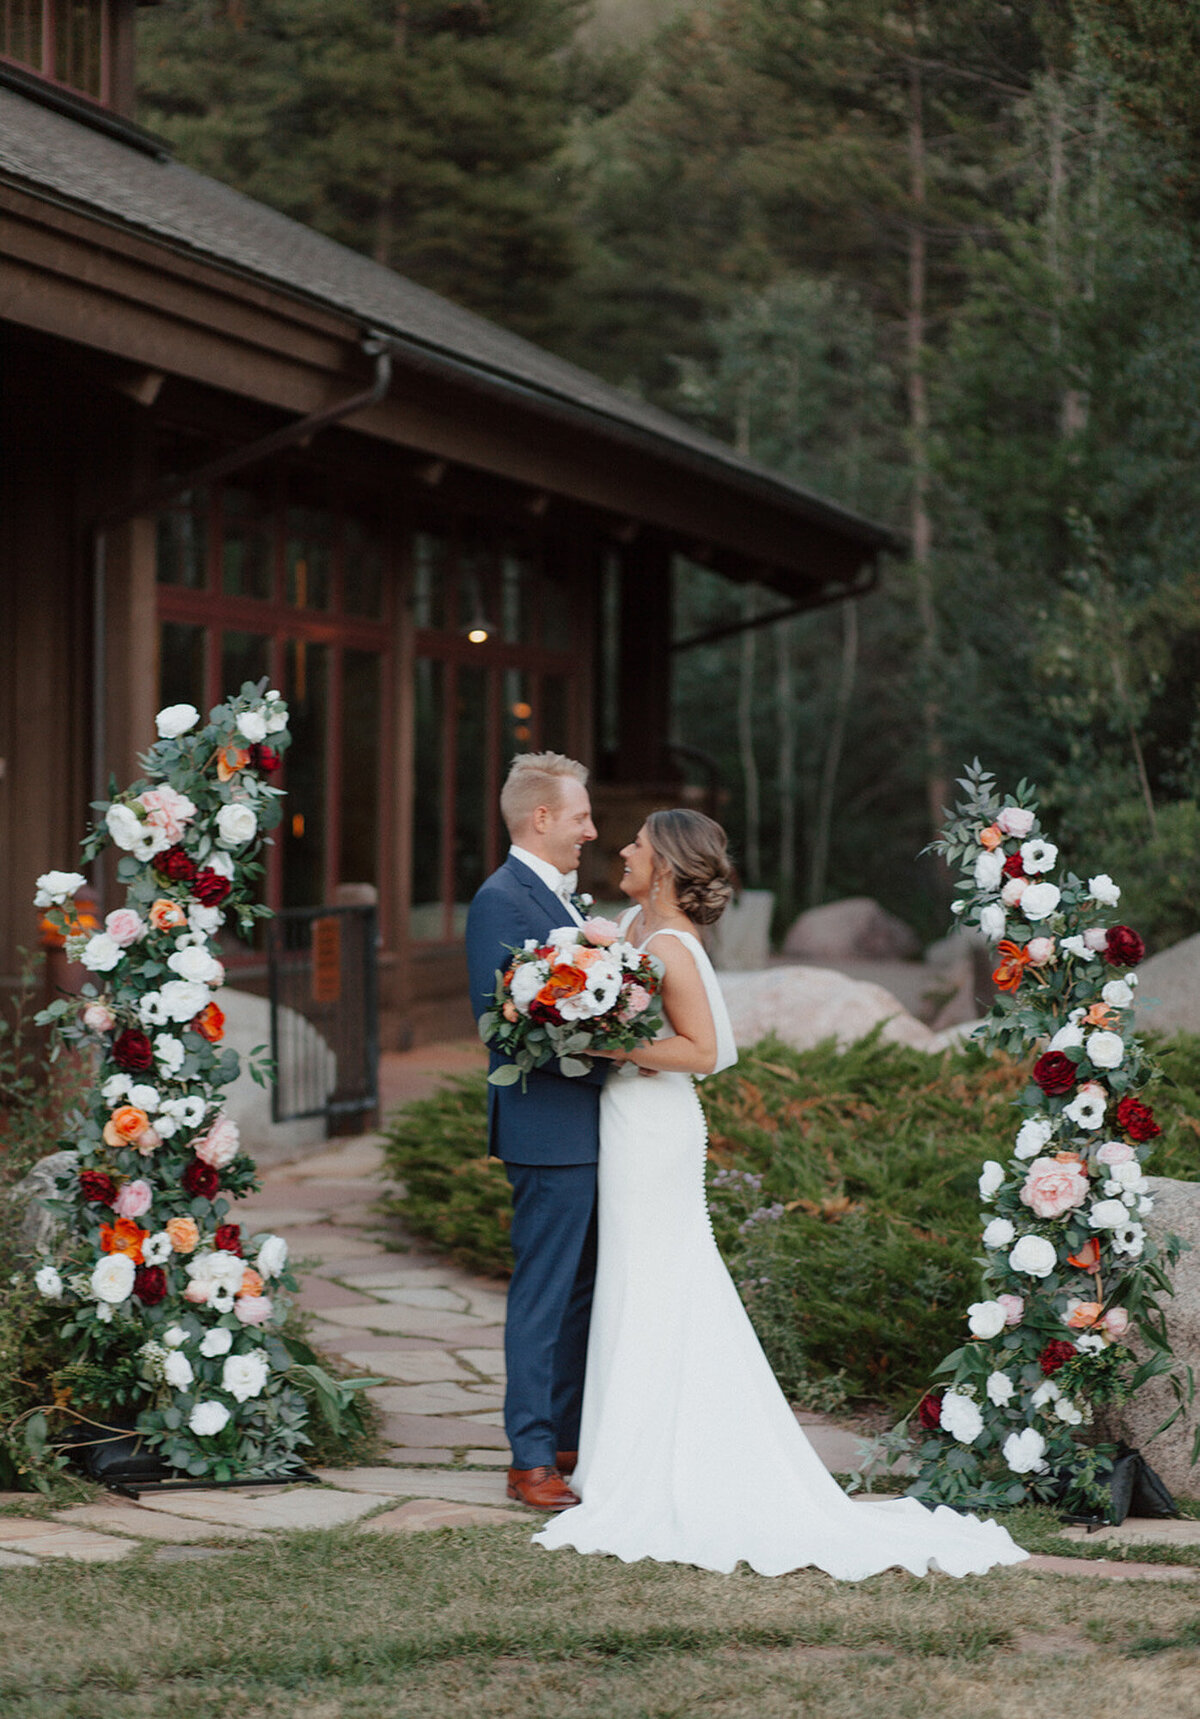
(935, 259)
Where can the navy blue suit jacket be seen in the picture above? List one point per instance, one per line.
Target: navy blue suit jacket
(554, 1120)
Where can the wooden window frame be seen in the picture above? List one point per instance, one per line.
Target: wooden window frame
(48, 50)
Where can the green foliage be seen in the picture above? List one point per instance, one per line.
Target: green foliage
(454, 1194)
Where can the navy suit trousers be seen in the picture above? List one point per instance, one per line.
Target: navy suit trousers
(549, 1307)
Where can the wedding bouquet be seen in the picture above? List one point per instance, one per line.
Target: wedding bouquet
(584, 989)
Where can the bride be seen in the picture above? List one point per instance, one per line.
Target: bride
(689, 1452)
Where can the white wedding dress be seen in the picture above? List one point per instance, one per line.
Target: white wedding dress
(689, 1452)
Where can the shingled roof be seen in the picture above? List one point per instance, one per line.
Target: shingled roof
(123, 181)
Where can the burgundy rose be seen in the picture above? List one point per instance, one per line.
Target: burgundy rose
(1124, 947)
(132, 1051)
(929, 1410)
(264, 758)
(201, 1179)
(1054, 1073)
(228, 1239)
(1056, 1354)
(1137, 1120)
(150, 1284)
(96, 1187)
(209, 887)
(544, 1012)
(176, 863)
(1013, 866)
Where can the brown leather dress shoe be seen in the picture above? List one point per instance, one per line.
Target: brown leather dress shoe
(541, 1488)
(566, 1462)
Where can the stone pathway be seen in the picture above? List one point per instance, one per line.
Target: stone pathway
(433, 1335)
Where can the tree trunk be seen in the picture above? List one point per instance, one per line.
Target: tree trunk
(785, 712)
(745, 725)
(818, 864)
(920, 522)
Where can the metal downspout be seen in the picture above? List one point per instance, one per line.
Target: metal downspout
(376, 346)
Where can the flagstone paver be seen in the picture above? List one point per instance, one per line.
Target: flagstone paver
(16, 1561)
(303, 1507)
(1140, 1531)
(54, 1540)
(410, 1366)
(112, 1517)
(1108, 1568)
(422, 1514)
(462, 1487)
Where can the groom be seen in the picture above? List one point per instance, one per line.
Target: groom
(547, 1135)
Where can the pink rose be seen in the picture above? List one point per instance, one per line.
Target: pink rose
(149, 1140)
(1115, 1152)
(133, 1200)
(1052, 1188)
(1039, 950)
(196, 1291)
(635, 1002)
(99, 1018)
(1015, 821)
(1014, 1308)
(585, 957)
(125, 926)
(167, 811)
(220, 1145)
(601, 932)
(1096, 938)
(1116, 1322)
(253, 1309)
(1013, 890)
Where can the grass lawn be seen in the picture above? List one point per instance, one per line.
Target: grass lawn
(471, 1622)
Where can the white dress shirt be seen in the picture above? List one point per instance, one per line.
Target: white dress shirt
(559, 883)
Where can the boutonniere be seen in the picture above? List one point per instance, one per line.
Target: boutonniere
(583, 903)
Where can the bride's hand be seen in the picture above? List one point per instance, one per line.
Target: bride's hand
(618, 1056)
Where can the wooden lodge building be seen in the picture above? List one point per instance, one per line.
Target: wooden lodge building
(230, 447)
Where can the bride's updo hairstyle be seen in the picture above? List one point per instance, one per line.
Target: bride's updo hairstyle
(693, 848)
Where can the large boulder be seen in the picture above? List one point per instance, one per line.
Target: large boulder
(804, 1005)
(37, 1228)
(1176, 1208)
(740, 941)
(854, 929)
(1168, 994)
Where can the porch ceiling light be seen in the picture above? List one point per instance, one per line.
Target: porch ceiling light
(479, 629)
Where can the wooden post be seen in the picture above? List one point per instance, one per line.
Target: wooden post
(645, 634)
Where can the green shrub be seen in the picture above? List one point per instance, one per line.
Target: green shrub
(843, 1189)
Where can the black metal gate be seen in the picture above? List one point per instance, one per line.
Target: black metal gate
(324, 1012)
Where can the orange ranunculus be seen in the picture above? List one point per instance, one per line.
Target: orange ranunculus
(991, 837)
(252, 1283)
(508, 977)
(1068, 1158)
(563, 982)
(510, 1011)
(168, 916)
(210, 1024)
(231, 759)
(124, 1125)
(184, 1234)
(75, 919)
(1088, 1257)
(125, 1236)
(1100, 1015)
(1013, 962)
(1083, 1317)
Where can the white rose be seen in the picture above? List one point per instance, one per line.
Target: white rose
(1066, 1037)
(1077, 947)
(169, 1053)
(1014, 889)
(958, 906)
(1047, 1392)
(961, 1417)
(1107, 1214)
(986, 1319)
(196, 965)
(999, 1233)
(1024, 1451)
(989, 869)
(124, 826)
(1015, 821)
(1104, 890)
(221, 1270)
(991, 1179)
(216, 1342)
(1033, 1255)
(992, 921)
(55, 888)
(252, 726)
(527, 981)
(1065, 1411)
(277, 721)
(115, 1088)
(207, 1419)
(177, 1370)
(1105, 1050)
(207, 921)
(144, 1097)
(1145, 1207)
(272, 1257)
(178, 1000)
(174, 1336)
(175, 720)
(101, 953)
(1040, 900)
(999, 1389)
(245, 1375)
(112, 1278)
(1038, 856)
(1117, 994)
(236, 824)
(1032, 1136)
(48, 1283)
(221, 863)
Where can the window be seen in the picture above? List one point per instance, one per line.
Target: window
(476, 705)
(256, 579)
(68, 41)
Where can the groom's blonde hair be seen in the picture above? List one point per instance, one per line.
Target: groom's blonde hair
(535, 779)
